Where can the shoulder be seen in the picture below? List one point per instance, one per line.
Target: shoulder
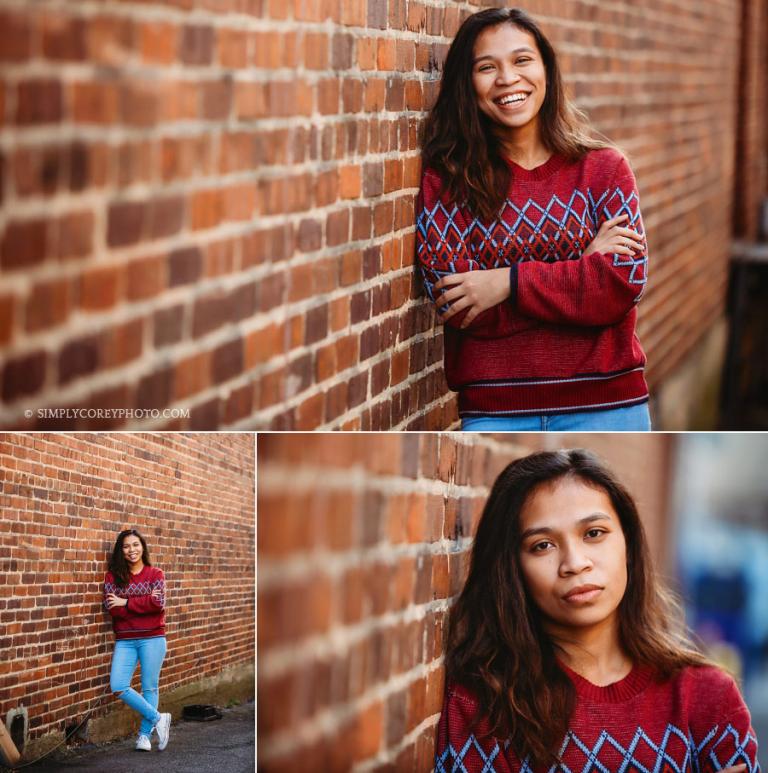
(109, 578)
(462, 701)
(155, 573)
(710, 691)
(431, 178)
(606, 164)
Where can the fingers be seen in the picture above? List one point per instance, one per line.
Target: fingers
(467, 321)
(735, 769)
(448, 280)
(455, 308)
(449, 295)
(614, 221)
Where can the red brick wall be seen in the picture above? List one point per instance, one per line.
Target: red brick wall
(64, 500)
(209, 205)
(363, 543)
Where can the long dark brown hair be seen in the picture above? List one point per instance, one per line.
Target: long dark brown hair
(117, 563)
(458, 139)
(496, 643)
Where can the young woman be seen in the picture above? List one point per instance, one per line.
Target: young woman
(134, 594)
(563, 653)
(530, 241)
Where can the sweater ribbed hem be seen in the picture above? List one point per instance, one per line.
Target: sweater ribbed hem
(618, 692)
(150, 633)
(533, 397)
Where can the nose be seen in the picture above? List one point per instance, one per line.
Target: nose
(506, 74)
(574, 559)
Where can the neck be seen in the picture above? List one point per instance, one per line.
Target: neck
(524, 145)
(136, 568)
(594, 652)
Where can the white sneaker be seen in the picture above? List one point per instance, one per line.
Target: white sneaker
(143, 744)
(163, 730)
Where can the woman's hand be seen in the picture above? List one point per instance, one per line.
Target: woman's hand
(115, 601)
(736, 769)
(614, 238)
(473, 290)
(157, 593)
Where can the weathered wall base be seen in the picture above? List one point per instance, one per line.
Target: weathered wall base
(234, 684)
(689, 398)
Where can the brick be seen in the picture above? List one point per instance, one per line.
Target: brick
(165, 216)
(37, 170)
(8, 307)
(205, 209)
(349, 182)
(24, 375)
(145, 277)
(125, 223)
(63, 37)
(15, 37)
(196, 44)
(216, 99)
(227, 361)
(316, 324)
(185, 265)
(23, 244)
(337, 228)
(191, 375)
(122, 343)
(168, 325)
(39, 102)
(49, 304)
(74, 235)
(155, 389)
(78, 358)
(232, 47)
(100, 288)
(94, 102)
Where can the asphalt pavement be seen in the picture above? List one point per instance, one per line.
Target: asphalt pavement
(221, 746)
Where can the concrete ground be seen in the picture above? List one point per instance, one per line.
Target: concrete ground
(222, 746)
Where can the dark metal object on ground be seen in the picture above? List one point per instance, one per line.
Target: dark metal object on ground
(199, 712)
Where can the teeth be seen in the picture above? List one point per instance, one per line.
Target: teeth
(513, 98)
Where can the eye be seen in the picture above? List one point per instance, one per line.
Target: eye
(594, 533)
(485, 68)
(540, 547)
(524, 60)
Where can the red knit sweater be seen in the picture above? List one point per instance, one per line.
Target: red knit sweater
(144, 615)
(565, 340)
(696, 721)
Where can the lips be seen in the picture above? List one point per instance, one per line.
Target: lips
(582, 593)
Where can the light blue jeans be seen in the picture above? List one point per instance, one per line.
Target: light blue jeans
(635, 418)
(150, 653)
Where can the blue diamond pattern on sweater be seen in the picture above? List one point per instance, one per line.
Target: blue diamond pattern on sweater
(676, 752)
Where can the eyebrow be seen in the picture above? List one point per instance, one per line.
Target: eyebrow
(516, 51)
(547, 530)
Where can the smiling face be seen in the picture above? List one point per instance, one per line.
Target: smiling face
(133, 550)
(573, 555)
(509, 77)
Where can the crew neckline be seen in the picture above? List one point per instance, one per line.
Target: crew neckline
(617, 692)
(540, 172)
